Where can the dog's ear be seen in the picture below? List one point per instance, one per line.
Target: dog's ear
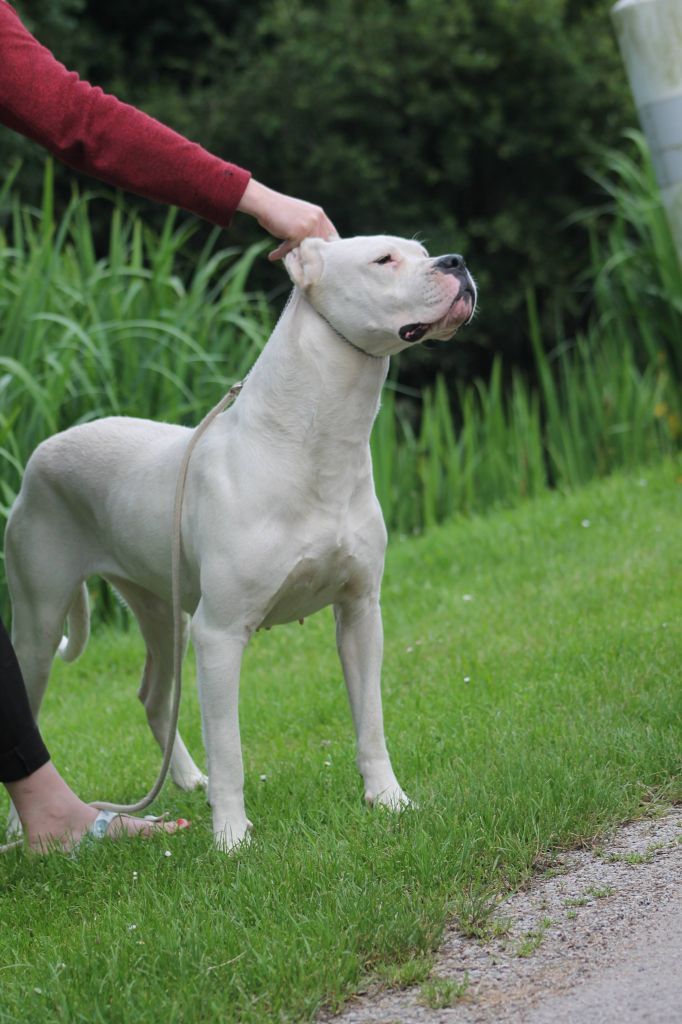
(304, 263)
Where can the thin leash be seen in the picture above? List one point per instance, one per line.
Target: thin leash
(176, 599)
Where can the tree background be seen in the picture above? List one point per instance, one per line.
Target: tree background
(471, 125)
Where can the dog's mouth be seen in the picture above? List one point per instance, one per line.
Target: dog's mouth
(460, 312)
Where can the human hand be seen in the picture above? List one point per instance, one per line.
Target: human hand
(285, 217)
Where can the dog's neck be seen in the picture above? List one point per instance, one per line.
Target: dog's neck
(344, 338)
(311, 386)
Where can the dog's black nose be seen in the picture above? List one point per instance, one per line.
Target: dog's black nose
(451, 264)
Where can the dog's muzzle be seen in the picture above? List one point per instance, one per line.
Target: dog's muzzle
(454, 264)
(451, 264)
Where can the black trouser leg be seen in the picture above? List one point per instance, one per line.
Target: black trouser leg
(22, 750)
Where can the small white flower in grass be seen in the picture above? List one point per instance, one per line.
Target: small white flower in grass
(467, 597)
(132, 927)
(467, 679)
(167, 853)
(327, 764)
(585, 523)
(263, 778)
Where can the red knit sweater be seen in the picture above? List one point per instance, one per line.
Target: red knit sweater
(97, 134)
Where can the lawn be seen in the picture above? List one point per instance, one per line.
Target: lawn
(532, 699)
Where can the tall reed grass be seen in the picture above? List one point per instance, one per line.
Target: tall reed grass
(139, 329)
(136, 330)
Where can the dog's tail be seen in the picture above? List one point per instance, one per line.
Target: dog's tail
(73, 645)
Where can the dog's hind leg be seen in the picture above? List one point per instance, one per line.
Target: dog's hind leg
(155, 618)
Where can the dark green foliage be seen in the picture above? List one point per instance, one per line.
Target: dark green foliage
(469, 124)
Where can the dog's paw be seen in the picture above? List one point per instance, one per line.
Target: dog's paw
(392, 798)
(231, 838)
(189, 780)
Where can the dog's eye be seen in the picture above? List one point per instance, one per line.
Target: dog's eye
(384, 259)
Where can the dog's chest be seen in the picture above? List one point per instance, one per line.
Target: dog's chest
(314, 581)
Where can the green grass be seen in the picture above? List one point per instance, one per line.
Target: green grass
(441, 993)
(569, 722)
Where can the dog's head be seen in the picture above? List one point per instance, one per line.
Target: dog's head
(383, 293)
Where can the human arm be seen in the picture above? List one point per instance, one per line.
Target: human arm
(96, 133)
(99, 135)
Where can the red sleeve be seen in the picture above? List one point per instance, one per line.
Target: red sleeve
(97, 134)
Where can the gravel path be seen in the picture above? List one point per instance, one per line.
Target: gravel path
(598, 938)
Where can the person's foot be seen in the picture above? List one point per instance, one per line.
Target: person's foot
(53, 816)
(68, 828)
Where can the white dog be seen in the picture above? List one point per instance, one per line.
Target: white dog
(280, 514)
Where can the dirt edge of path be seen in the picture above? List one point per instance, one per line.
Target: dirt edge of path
(596, 918)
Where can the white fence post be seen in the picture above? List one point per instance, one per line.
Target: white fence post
(650, 37)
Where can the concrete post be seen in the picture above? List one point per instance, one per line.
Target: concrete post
(650, 36)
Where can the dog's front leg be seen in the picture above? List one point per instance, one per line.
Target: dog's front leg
(219, 651)
(360, 640)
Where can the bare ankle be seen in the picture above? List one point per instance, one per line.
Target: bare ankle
(43, 800)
